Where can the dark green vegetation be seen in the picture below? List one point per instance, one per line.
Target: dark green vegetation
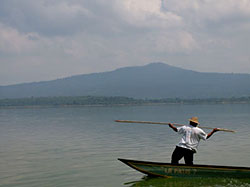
(105, 101)
(68, 101)
(156, 80)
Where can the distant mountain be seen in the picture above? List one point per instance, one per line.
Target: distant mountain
(155, 80)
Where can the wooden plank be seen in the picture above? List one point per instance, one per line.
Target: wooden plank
(166, 123)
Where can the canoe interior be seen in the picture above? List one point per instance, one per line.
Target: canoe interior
(182, 170)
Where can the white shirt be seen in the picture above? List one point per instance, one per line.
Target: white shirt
(191, 137)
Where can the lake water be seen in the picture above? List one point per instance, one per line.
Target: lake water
(79, 146)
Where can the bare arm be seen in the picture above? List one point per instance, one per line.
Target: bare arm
(212, 132)
(172, 127)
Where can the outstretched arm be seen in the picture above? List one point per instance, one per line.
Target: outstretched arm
(212, 132)
(172, 127)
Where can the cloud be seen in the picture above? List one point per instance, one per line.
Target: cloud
(11, 41)
(44, 17)
(202, 13)
(147, 13)
(56, 38)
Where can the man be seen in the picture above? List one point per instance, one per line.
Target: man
(191, 136)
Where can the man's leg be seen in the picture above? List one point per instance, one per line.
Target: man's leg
(189, 157)
(177, 155)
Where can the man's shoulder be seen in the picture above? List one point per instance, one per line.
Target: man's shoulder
(199, 130)
(184, 127)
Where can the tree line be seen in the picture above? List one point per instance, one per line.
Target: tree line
(105, 101)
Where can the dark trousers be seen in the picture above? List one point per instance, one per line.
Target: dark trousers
(179, 153)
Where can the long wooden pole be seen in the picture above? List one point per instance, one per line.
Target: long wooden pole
(165, 123)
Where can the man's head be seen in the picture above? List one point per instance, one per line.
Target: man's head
(194, 121)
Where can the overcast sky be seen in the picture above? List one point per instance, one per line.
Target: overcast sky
(49, 39)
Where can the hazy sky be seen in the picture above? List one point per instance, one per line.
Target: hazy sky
(49, 39)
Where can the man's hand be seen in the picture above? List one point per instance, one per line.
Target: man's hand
(212, 132)
(172, 127)
(216, 129)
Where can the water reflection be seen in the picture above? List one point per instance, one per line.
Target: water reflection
(186, 182)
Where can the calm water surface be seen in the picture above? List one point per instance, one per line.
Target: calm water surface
(80, 146)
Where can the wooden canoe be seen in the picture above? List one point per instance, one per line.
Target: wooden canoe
(182, 170)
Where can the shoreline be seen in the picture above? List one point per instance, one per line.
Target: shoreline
(116, 105)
